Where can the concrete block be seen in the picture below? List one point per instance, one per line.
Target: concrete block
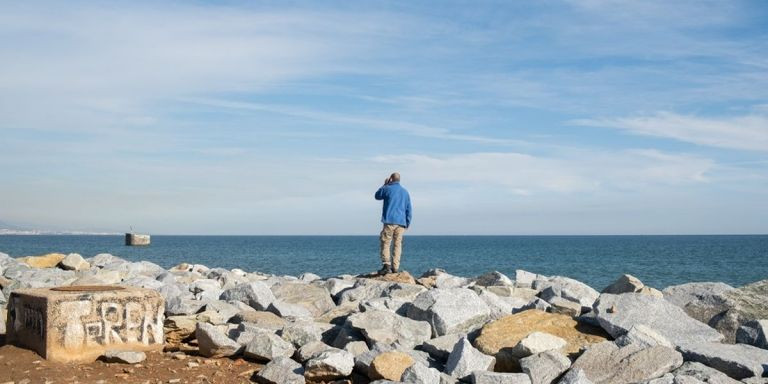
(136, 239)
(81, 323)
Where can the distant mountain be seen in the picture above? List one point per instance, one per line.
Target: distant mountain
(12, 229)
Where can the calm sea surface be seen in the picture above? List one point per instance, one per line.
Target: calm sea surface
(596, 260)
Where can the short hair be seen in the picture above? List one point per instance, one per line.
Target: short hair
(395, 176)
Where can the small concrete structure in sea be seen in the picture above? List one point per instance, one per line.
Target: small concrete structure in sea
(81, 323)
(136, 239)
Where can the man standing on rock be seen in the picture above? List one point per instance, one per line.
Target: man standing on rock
(396, 216)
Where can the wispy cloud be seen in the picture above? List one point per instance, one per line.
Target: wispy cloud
(747, 132)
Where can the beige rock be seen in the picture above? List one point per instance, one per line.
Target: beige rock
(390, 365)
(498, 338)
(262, 319)
(400, 277)
(79, 324)
(45, 261)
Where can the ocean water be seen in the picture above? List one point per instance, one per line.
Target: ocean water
(658, 261)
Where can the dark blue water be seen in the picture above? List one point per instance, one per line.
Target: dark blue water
(596, 260)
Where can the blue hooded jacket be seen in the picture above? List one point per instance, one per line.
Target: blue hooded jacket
(397, 207)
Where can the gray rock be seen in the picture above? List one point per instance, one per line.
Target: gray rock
(524, 279)
(330, 365)
(537, 342)
(607, 363)
(464, 359)
(214, 343)
(545, 367)
(617, 314)
(755, 380)
(389, 304)
(265, 346)
(335, 286)
(485, 377)
(456, 310)
(667, 378)
(181, 306)
(314, 299)
(357, 348)
(309, 277)
(703, 374)
(448, 281)
(494, 278)
(311, 350)
(289, 310)
(124, 357)
(440, 347)
(625, 284)
(575, 376)
(501, 306)
(281, 370)
(754, 333)
(644, 336)
(365, 289)
(226, 310)
(346, 335)
(420, 374)
(738, 361)
(705, 302)
(74, 262)
(567, 288)
(564, 306)
(256, 294)
(386, 327)
(301, 332)
(537, 303)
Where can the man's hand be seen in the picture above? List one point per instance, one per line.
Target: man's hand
(386, 181)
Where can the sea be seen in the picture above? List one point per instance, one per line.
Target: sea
(659, 261)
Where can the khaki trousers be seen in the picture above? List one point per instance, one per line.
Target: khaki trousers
(389, 232)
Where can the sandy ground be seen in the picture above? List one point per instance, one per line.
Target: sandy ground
(20, 366)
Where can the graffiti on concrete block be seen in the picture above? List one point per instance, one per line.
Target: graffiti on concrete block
(30, 318)
(89, 323)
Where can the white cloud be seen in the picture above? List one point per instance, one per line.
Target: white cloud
(748, 132)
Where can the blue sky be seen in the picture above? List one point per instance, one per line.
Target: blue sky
(540, 117)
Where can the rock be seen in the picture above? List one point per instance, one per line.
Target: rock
(301, 332)
(465, 358)
(329, 365)
(524, 279)
(226, 310)
(567, 288)
(705, 302)
(668, 378)
(182, 306)
(400, 277)
(49, 260)
(575, 376)
(260, 319)
(389, 304)
(390, 365)
(545, 367)
(311, 350)
(335, 286)
(618, 313)
(309, 277)
(74, 262)
(625, 284)
(179, 328)
(447, 281)
(339, 314)
(607, 363)
(256, 294)
(124, 357)
(456, 310)
(644, 336)
(494, 278)
(501, 306)
(440, 347)
(537, 342)
(500, 336)
(420, 374)
(357, 348)
(314, 299)
(754, 333)
(755, 380)
(281, 370)
(702, 373)
(265, 346)
(386, 327)
(288, 310)
(214, 343)
(738, 361)
(485, 377)
(564, 307)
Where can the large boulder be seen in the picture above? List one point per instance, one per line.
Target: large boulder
(607, 363)
(545, 367)
(301, 332)
(705, 302)
(363, 290)
(567, 288)
(501, 306)
(738, 361)
(214, 343)
(313, 298)
(494, 278)
(266, 346)
(754, 333)
(440, 347)
(289, 310)
(691, 371)
(329, 365)
(74, 262)
(499, 337)
(455, 310)
(45, 261)
(256, 294)
(380, 326)
(420, 374)
(617, 314)
(281, 370)
(630, 284)
(464, 359)
(642, 335)
(537, 342)
(750, 303)
(390, 365)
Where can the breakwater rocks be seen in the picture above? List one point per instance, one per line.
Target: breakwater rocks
(438, 328)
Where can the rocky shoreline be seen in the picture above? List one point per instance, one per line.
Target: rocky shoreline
(438, 328)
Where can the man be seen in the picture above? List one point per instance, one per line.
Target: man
(396, 216)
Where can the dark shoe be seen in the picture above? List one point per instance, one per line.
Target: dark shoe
(393, 270)
(385, 269)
